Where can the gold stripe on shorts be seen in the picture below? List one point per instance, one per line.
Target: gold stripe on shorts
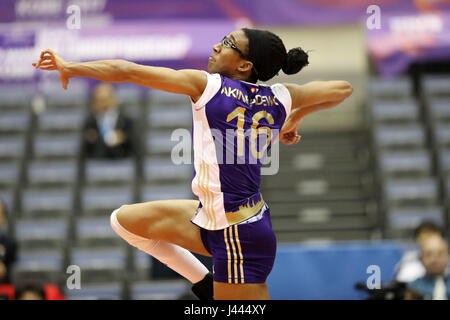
(238, 244)
(234, 256)
(228, 255)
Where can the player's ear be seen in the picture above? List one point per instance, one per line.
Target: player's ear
(245, 66)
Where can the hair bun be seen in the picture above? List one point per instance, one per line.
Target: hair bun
(296, 59)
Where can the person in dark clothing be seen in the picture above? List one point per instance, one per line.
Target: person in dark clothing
(107, 131)
(8, 247)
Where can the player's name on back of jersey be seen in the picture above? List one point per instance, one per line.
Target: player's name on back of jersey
(266, 101)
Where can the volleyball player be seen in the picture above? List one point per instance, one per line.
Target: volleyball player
(230, 221)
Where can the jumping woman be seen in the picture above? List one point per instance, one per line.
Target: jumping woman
(230, 221)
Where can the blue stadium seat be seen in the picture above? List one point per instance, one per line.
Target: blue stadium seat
(164, 290)
(47, 201)
(163, 168)
(12, 147)
(9, 173)
(397, 136)
(166, 192)
(61, 145)
(424, 190)
(103, 291)
(389, 87)
(105, 171)
(14, 121)
(105, 199)
(160, 116)
(415, 161)
(61, 120)
(52, 172)
(395, 110)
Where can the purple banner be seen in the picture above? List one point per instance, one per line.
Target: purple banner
(404, 39)
(176, 45)
(261, 12)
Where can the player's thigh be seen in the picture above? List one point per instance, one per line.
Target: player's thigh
(167, 220)
(246, 291)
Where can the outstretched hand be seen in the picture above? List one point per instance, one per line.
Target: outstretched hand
(288, 133)
(50, 60)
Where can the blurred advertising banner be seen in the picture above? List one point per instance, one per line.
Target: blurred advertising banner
(262, 12)
(170, 44)
(404, 39)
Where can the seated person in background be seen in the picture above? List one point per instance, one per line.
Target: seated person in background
(435, 284)
(410, 267)
(8, 247)
(107, 132)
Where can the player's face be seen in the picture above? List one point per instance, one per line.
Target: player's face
(229, 54)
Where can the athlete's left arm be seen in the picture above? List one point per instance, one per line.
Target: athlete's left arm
(309, 98)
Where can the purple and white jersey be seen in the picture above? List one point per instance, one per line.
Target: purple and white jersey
(234, 123)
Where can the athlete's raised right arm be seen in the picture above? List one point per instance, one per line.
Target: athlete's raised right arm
(188, 82)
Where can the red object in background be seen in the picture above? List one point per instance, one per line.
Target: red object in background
(51, 291)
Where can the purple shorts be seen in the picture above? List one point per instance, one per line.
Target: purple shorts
(242, 253)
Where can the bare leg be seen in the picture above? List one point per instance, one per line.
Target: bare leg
(246, 291)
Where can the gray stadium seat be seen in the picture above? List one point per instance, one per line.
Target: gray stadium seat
(61, 120)
(442, 134)
(14, 121)
(56, 96)
(390, 136)
(52, 172)
(105, 171)
(436, 84)
(444, 161)
(166, 192)
(45, 264)
(160, 142)
(16, 96)
(447, 189)
(389, 87)
(164, 290)
(105, 199)
(395, 110)
(12, 146)
(424, 190)
(411, 217)
(9, 173)
(61, 145)
(142, 264)
(416, 161)
(34, 233)
(163, 169)
(47, 201)
(96, 231)
(100, 264)
(169, 116)
(7, 196)
(439, 108)
(162, 97)
(103, 291)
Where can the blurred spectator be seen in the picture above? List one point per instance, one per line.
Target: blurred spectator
(410, 267)
(31, 289)
(8, 247)
(107, 132)
(435, 284)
